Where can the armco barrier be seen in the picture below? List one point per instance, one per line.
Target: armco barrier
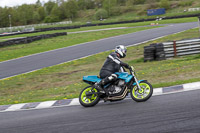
(171, 49)
(30, 39)
(181, 48)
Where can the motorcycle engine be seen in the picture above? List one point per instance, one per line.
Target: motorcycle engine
(116, 87)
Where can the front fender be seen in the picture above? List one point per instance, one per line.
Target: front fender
(138, 82)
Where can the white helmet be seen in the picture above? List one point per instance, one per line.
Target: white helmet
(121, 50)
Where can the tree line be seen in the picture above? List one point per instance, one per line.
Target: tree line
(59, 10)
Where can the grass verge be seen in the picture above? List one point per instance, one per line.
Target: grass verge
(65, 80)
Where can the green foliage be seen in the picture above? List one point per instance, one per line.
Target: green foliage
(81, 4)
(165, 4)
(108, 5)
(88, 4)
(151, 4)
(72, 8)
(41, 12)
(56, 13)
(36, 17)
(51, 19)
(38, 3)
(115, 11)
(185, 3)
(101, 14)
(49, 6)
(129, 2)
(139, 1)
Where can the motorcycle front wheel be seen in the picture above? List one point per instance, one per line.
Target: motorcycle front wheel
(144, 94)
(87, 99)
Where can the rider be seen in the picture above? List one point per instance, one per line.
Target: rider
(111, 65)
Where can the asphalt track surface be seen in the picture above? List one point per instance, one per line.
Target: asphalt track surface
(171, 113)
(58, 56)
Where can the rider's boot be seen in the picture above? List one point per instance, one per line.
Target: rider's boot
(100, 85)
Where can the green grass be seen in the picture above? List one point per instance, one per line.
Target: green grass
(65, 80)
(15, 51)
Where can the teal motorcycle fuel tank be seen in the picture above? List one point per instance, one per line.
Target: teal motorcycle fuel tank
(125, 76)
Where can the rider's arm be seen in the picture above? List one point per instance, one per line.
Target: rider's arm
(118, 61)
(125, 65)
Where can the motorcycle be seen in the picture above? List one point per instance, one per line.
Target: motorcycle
(140, 90)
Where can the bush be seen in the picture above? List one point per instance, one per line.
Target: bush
(115, 11)
(51, 19)
(101, 14)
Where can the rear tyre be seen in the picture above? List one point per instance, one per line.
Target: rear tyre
(88, 101)
(144, 94)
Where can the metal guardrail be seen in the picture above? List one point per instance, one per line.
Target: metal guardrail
(181, 48)
(23, 27)
(161, 51)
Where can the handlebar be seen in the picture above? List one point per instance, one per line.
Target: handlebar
(132, 69)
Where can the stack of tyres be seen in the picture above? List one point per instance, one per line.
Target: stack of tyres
(160, 53)
(149, 53)
(153, 52)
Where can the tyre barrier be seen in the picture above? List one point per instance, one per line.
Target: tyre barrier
(153, 52)
(58, 28)
(30, 39)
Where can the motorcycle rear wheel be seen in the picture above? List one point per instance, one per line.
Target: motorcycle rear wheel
(144, 94)
(88, 101)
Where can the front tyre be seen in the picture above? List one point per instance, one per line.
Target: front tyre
(144, 94)
(87, 99)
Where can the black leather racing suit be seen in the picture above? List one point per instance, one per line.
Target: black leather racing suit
(111, 65)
